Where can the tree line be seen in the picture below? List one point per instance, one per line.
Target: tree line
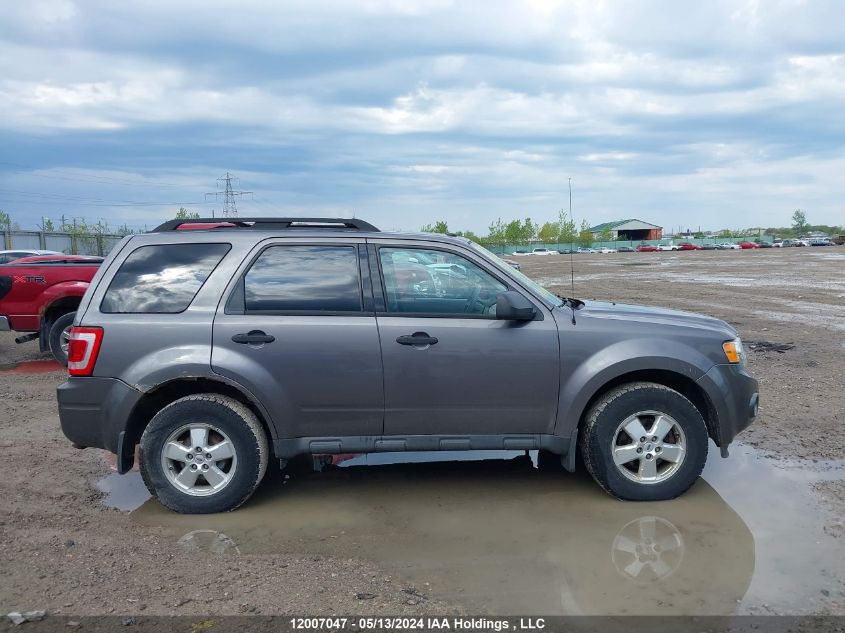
(565, 231)
(499, 234)
(526, 231)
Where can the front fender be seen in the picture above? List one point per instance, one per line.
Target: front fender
(59, 291)
(581, 384)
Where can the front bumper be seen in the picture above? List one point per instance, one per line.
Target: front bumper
(734, 394)
(94, 411)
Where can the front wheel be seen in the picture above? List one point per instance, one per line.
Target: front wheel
(644, 442)
(203, 453)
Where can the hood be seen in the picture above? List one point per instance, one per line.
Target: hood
(658, 316)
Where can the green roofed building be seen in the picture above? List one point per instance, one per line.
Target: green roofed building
(633, 230)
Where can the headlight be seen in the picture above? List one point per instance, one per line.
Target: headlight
(734, 352)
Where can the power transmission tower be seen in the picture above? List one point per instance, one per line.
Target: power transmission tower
(230, 207)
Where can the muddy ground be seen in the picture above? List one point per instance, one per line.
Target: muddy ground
(760, 533)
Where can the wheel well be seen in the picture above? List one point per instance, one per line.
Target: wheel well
(60, 307)
(164, 394)
(687, 387)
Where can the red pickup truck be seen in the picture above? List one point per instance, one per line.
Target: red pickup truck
(39, 295)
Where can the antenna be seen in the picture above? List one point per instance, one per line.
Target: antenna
(230, 207)
(571, 257)
(571, 242)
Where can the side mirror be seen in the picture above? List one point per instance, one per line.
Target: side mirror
(512, 306)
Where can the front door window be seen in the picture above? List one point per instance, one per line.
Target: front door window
(435, 282)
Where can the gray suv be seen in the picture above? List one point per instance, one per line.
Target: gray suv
(214, 344)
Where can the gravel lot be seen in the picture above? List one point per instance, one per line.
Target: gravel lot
(456, 538)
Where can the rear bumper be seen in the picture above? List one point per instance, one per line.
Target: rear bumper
(734, 393)
(94, 411)
(4, 324)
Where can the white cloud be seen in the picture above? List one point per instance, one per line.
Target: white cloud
(484, 108)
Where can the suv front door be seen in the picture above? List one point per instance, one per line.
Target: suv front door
(482, 376)
(320, 375)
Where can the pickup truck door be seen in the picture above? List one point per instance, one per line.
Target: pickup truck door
(450, 367)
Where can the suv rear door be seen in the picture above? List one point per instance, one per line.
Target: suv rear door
(321, 374)
(482, 376)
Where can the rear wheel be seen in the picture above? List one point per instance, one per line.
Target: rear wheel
(60, 336)
(203, 453)
(644, 442)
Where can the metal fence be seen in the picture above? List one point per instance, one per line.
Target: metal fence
(68, 243)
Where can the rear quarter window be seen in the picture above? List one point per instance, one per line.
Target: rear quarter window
(161, 279)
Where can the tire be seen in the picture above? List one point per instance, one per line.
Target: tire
(646, 476)
(169, 460)
(58, 343)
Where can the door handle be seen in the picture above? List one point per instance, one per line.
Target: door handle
(253, 337)
(417, 339)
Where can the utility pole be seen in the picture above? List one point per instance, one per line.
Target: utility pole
(230, 206)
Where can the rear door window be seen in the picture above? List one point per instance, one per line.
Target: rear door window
(161, 279)
(304, 279)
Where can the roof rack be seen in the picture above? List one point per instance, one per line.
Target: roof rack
(266, 224)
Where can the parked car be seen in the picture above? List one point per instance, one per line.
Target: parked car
(543, 251)
(821, 241)
(39, 295)
(764, 244)
(587, 250)
(605, 250)
(567, 251)
(667, 247)
(14, 254)
(512, 264)
(728, 246)
(688, 246)
(709, 247)
(748, 245)
(212, 350)
(520, 253)
(625, 249)
(800, 242)
(787, 243)
(646, 248)
(777, 243)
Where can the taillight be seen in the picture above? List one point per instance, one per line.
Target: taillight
(83, 349)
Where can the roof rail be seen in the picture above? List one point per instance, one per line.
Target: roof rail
(266, 224)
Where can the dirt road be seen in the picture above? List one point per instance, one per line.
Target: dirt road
(762, 533)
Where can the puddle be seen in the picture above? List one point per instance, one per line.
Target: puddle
(504, 536)
(43, 366)
(123, 492)
(809, 314)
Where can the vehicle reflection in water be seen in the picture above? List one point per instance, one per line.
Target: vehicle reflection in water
(648, 549)
(498, 535)
(210, 542)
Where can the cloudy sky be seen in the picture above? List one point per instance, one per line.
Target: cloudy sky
(718, 114)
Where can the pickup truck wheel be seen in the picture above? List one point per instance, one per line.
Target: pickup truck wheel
(644, 442)
(203, 453)
(60, 337)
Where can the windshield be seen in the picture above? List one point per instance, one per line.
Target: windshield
(525, 280)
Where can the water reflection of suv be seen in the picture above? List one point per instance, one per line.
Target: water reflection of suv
(215, 348)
